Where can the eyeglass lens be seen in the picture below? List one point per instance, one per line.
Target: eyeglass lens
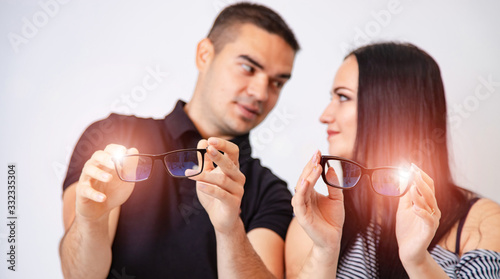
(178, 164)
(388, 182)
(186, 163)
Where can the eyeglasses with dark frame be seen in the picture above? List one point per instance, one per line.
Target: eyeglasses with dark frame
(342, 173)
(178, 163)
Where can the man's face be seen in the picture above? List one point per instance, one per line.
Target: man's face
(243, 81)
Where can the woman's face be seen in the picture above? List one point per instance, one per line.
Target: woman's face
(341, 114)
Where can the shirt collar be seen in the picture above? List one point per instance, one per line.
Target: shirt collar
(178, 122)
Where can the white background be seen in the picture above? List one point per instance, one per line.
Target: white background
(66, 66)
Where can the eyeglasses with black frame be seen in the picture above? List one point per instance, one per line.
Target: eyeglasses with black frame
(342, 173)
(178, 163)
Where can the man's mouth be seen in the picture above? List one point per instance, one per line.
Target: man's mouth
(248, 111)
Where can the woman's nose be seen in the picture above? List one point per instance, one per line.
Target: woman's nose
(328, 115)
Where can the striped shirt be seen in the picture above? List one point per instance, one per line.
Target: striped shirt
(361, 261)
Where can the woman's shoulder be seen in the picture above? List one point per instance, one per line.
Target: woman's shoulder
(481, 229)
(485, 218)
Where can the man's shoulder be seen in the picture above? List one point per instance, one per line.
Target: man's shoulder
(116, 118)
(118, 122)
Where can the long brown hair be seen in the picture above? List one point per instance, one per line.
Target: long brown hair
(401, 120)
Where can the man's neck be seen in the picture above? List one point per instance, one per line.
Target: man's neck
(202, 124)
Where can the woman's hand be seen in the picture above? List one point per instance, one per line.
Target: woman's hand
(417, 219)
(321, 217)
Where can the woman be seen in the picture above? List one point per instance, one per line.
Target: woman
(388, 109)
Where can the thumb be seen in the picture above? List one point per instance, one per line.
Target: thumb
(335, 193)
(132, 150)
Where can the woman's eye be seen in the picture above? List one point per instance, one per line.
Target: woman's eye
(343, 98)
(247, 68)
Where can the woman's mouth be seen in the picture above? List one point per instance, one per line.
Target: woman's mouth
(332, 133)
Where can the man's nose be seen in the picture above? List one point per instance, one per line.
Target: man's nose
(258, 87)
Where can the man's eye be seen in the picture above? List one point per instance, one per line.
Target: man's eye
(278, 84)
(247, 68)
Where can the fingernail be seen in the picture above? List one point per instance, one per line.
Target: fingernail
(416, 208)
(313, 159)
(302, 183)
(106, 176)
(212, 151)
(213, 141)
(100, 197)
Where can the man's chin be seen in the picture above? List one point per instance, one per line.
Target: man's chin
(242, 127)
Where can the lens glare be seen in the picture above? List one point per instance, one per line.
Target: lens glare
(184, 163)
(341, 173)
(134, 168)
(390, 182)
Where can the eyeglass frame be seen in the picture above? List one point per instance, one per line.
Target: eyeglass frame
(161, 157)
(364, 170)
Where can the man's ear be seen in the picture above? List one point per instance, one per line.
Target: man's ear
(204, 54)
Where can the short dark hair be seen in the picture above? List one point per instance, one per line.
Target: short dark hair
(401, 119)
(223, 29)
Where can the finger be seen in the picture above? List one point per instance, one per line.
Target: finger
(216, 192)
(85, 190)
(418, 200)
(427, 217)
(208, 164)
(405, 201)
(102, 158)
(332, 177)
(427, 179)
(313, 177)
(115, 150)
(231, 150)
(301, 198)
(226, 165)
(309, 166)
(223, 181)
(335, 193)
(132, 150)
(426, 191)
(305, 189)
(92, 171)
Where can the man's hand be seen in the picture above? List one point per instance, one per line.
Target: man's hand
(100, 189)
(220, 188)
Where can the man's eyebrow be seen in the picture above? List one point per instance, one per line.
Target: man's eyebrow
(255, 63)
(258, 65)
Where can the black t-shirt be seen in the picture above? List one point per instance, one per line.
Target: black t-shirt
(163, 230)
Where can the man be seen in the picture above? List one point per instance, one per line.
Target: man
(231, 222)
